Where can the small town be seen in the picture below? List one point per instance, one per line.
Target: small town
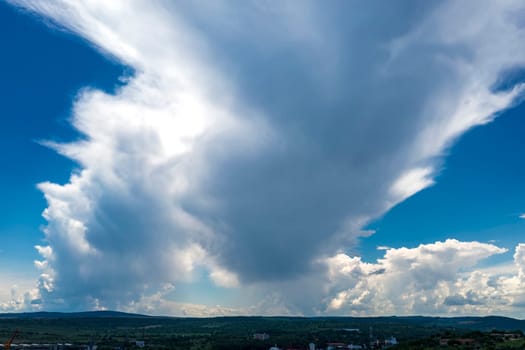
(386, 343)
(374, 343)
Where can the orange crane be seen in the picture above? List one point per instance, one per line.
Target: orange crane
(7, 345)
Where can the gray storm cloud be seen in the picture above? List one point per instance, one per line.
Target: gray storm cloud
(257, 137)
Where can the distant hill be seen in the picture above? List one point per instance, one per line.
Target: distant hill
(480, 323)
(84, 314)
(471, 323)
(485, 323)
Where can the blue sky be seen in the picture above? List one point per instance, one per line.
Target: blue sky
(42, 71)
(477, 196)
(313, 165)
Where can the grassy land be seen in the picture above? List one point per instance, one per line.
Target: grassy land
(468, 340)
(234, 332)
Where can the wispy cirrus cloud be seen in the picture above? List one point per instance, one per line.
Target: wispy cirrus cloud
(250, 156)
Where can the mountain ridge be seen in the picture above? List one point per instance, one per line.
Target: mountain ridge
(469, 322)
(79, 314)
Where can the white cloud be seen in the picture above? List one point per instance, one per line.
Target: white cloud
(19, 292)
(519, 259)
(438, 278)
(238, 154)
(224, 278)
(412, 182)
(383, 247)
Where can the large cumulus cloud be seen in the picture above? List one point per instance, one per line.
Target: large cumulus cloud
(405, 280)
(439, 278)
(256, 138)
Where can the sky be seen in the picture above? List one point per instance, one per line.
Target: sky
(263, 157)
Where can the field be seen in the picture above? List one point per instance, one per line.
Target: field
(120, 331)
